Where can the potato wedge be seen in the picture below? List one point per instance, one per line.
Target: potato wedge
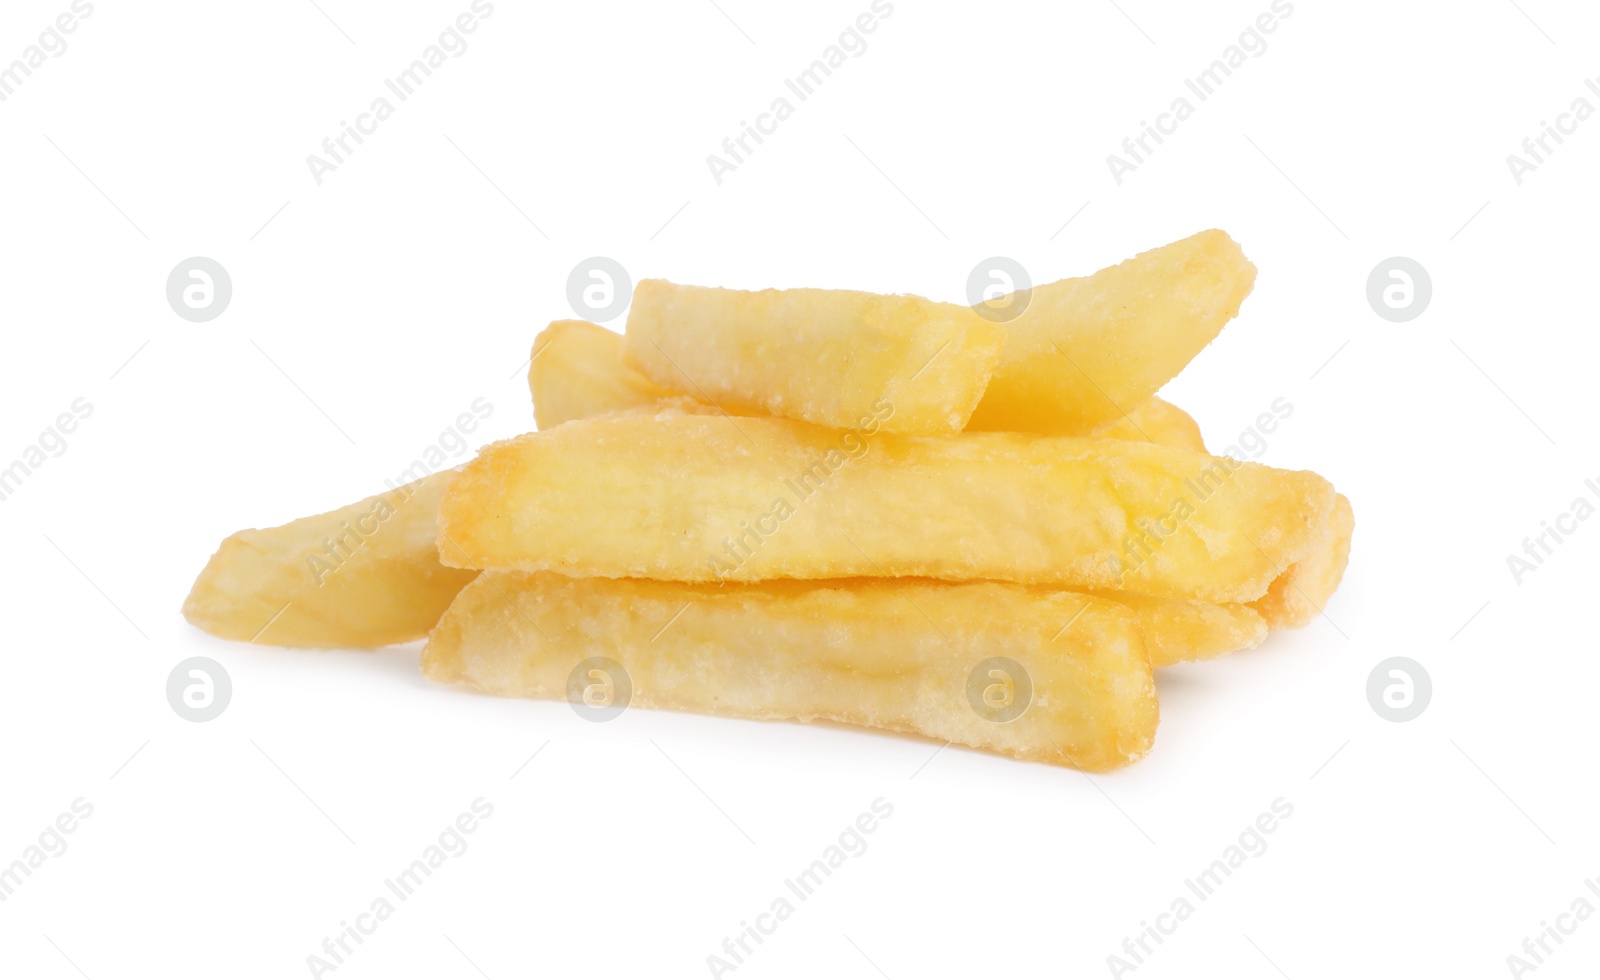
(365, 575)
(833, 357)
(696, 498)
(1179, 630)
(899, 656)
(1087, 350)
(1297, 596)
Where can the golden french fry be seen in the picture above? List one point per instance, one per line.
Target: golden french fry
(829, 356)
(1157, 421)
(1048, 676)
(1178, 630)
(1085, 350)
(1297, 596)
(577, 373)
(696, 498)
(365, 575)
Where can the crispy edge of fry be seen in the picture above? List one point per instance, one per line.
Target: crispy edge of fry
(1297, 597)
(859, 652)
(1180, 630)
(1086, 348)
(389, 587)
(520, 504)
(1158, 421)
(827, 356)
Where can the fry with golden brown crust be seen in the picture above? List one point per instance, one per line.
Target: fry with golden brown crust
(900, 656)
(1297, 596)
(697, 498)
(365, 575)
(828, 356)
(578, 372)
(1180, 630)
(1157, 421)
(1087, 350)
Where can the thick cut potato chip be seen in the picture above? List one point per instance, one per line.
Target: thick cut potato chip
(832, 357)
(1298, 595)
(1049, 676)
(1178, 630)
(695, 498)
(365, 575)
(1085, 351)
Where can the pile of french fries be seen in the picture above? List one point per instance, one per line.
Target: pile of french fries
(818, 504)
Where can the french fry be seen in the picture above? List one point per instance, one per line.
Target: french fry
(1297, 596)
(1085, 350)
(1157, 421)
(578, 372)
(696, 498)
(1179, 630)
(833, 357)
(899, 656)
(365, 575)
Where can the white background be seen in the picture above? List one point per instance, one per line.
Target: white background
(373, 309)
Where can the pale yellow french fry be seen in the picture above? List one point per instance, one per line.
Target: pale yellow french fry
(1178, 630)
(577, 373)
(365, 575)
(696, 498)
(899, 656)
(1086, 350)
(1157, 421)
(833, 357)
(1297, 596)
